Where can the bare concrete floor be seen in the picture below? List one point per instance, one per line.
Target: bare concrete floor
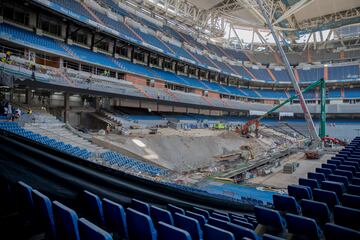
(278, 179)
(184, 151)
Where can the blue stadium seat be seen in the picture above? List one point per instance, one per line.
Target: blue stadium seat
(94, 209)
(140, 206)
(351, 201)
(66, 222)
(167, 232)
(214, 233)
(220, 216)
(241, 232)
(347, 217)
(201, 211)
(341, 179)
(338, 158)
(352, 169)
(44, 212)
(201, 219)
(240, 218)
(115, 219)
(270, 218)
(299, 192)
(174, 209)
(353, 158)
(355, 181)
(219, 213)
(353, 189)
(325, 171)
(352, 163)
(217, 222)
(90, 231)
(328, 197)
(243, 223)
(334, 162)
(135, 219)
(332, 167)
(285, 203)
(250, 217)
(160, 215)
(188, 224)
(270, 237)
(319, 177)
(316, 210)
(311, 183)
(303, 226)
(336, 187)
(336, 232)
(24, 193)
(233, 215)
(345, 173)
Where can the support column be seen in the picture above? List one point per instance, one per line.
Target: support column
(322, 131)
(114, 48)
(11, 95)
(97, 103)
(92, 41)
(28, 95)
(66, 106)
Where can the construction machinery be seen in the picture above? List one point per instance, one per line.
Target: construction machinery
(322, 130)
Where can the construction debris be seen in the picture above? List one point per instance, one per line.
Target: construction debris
(312, 154)
(289, 168)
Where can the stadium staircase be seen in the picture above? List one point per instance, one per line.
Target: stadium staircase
(249, 72)
(48, 125)
(92, 14)
(271, 74)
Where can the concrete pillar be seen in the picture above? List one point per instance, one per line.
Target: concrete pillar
(66, 106)
(97, 103)
(11, 95)
(28, 96)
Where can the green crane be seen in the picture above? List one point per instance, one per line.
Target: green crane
(321, 83)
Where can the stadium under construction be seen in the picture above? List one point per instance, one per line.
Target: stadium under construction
(174, 119)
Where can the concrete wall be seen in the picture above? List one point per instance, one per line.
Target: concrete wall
(57, 100)
(135, 79)
(149, 105)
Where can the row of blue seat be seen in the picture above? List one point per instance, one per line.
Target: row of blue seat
(327, 203)
(55, 219)
(111, 157)
(98, 58)
(105, 219)
(301, 227)
(76, 151)
(195, 223)
(130, 163)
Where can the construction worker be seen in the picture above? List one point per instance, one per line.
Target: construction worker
(17, 113)
(108, 128)
(7, 58)
(32, 65)
(106, 73)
